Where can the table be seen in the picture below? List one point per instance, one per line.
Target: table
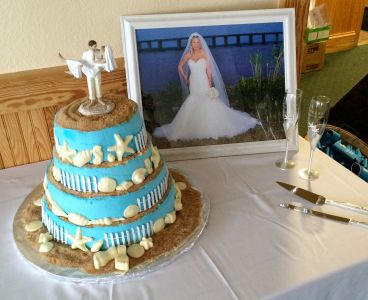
(250, 249)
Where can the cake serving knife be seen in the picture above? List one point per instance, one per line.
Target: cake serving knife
(320, 200)
(319, 214)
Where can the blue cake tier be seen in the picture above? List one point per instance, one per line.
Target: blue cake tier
(120, 234)
(80, 140)
(85, 178)
(99, 205)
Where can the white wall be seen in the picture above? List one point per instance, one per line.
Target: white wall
(34, 31)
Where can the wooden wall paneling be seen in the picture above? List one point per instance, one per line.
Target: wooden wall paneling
(41, 133)
(29, 136)
(5, 149)
(33, 89)
(301, 18)
(15, 137)
(49, 116)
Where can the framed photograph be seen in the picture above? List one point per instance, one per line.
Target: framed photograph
(212, 84)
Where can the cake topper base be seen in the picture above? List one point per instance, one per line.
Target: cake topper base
(88, 108)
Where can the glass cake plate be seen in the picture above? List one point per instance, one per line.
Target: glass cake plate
(39, 261)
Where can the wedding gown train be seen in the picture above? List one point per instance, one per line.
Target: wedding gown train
(202, 115)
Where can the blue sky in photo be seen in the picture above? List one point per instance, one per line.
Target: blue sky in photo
(179, 32)
(158, 68)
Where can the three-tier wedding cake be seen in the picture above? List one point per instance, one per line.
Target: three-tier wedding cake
(106, 191)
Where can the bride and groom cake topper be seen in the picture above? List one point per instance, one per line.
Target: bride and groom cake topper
(93, 62)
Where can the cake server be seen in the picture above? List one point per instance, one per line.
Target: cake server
(319, 214)
(320, 200)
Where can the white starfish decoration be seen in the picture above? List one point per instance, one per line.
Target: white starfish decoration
(121, 146)
(79, 241)
(66, 153)
(146, 243)
(155, 158)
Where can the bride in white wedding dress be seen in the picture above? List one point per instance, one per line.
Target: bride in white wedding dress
(205, 112)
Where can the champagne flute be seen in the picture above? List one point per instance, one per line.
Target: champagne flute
(317, 120)
(290, 114)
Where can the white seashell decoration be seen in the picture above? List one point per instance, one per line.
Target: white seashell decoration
(181, 185)
(82, 157)
(135, 251)
(46, 247)
(33, 226)
(131, 211)
(158, 225)
(121, 259)
(177, 192)
(56, 173)
(146, 243)
(55, 208)
(97, 246)
(178, 205)
(78, 219)
(111, 157)
(102, 258)
(139, 175)
(97, 155)
(148, 165)
(44, 237)
(102, 221)
(124, 186)
(170, 218)
(37, 202)
(106, 185)
(155, 158)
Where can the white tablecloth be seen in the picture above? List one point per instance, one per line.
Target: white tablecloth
(250, 249)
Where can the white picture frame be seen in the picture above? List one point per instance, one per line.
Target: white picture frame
(133, 25)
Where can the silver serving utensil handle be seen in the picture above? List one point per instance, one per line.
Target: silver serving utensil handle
(351, 206)
(323, 215)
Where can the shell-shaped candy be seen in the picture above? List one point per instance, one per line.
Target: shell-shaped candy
(82, 157)
(101, 258)
(102, 221)
(146, 243)
(155, 158)
(124, 186)
(57, 210)
(135, 250)
(106, 184)
(178, 205)
(131, 211)
(158, 225)
(170, 217)
(181, 185)
(139, 175)
(148, 165)
(78, 219)
(33, 226)
(111, 157)
(37, 202)
(46, 247)
(44, 237)
(97, 246)
(97, 155)
(56, 173)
